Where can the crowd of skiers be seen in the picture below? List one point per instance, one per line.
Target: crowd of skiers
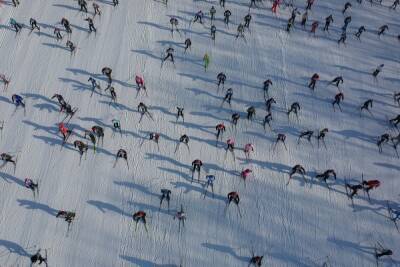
(95, 135)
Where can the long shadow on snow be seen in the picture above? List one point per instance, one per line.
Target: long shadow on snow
(348, 245)
(6, 100)
(144, 263)
(184, 175)
(13, 247)
(7, 177)
(102, 124)
(98, 76)
(227, 250)
(152, 208)
(31, 205)
(189, 187)
(138, 187)
(103, 207)
(387, 165)
(77, 85)
(56, 46)
(71, 8)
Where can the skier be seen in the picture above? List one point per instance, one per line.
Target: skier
(321, 136)
(34, 25)
(240, 31)
(222, 3)
(221, 79)
(314, 27)
(313, 81)
(196, 166)
(295, 107)
(71, 46)
(69, 216)
(275, 6)
(68, 110)
(91, 25)
(169, 55)
(60, 99)
(115, 2)
(230, 146)
(57, 33)
(99, 132)
(328, 21)
(267, 83)
(370, 184)
(96, 9)
(248, 148)
(252, 3)
(17, 26)
(233, 196)
(280, 138)
(395, 4)
(18, 101)
(198, 17)
(337, 80)
(228, 97)
(325, 175)
(377, 71)
(165, 194)
(140, 216)
(206, 60)
(347, 20)
(382, 30)
(174, 25)
(66, 25)
(38, 257)
(15, 3)
(247, 20)
(354, 189)
(307, 135)
(220, 128)
(297, 169)
(180, 114)
(212, 13)
(121, 154)
(83, 5)
(304, 19)
(209, 182)
(185, 140)
(213, 30)
(381, 252)
(309, 4)
(367, 105)
(359, 32)
(268, 104)
(82, 147)
(8, 158)
(342, 38)
(92, 138)
(6, 81)
(107, 72)
(152, 137)
(289, 24)
(188, 44)
(117, 126)
(346, 6)
(396, 98)
(267, 120)
(32, 186)
(251, 112)
(113, 94)
(64, 131)
(227, 14)
(256, 261)
(245, 174)
(94, 84)
(143, 110)
(181, 216)
(338, 98)
(235, 119)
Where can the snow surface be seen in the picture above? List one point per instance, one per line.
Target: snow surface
(294, 225)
